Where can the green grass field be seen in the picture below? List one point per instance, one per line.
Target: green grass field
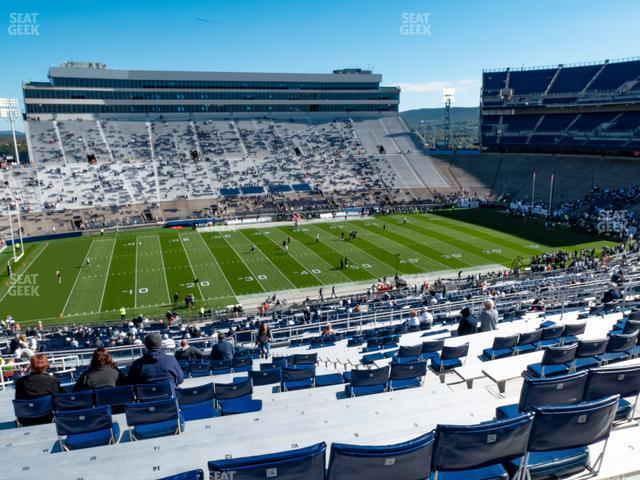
(142, 269)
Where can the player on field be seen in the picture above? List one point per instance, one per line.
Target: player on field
(58, 276)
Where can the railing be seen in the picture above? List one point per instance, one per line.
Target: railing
(61, 364)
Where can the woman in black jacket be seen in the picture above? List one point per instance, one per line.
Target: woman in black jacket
(102, 373)
(38, 383)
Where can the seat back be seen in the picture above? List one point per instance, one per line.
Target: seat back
(293, 374)
(561, 427)
(573, 329)
(631, 326)
(589, 348)
(374, 376)
(220, 366)
(190, 475)
(266, 377)
(305, 358)
(227, 391)
(83, 421)
(200, 368)
(115, 397)
(73, 401)
(605, 381)
(242, 364)
(191, 395)
(33, 408)
(558, 355)
(537, 392)
(404, 371)
(467, 447)
(552, 332)
(148, 413)
(154, 391)
(407, 460)
(622, 342)
(530, 337)
(505, 342)
(459, 351)
(432, 346)
(409, 351)
(279, 362)
(307, 463)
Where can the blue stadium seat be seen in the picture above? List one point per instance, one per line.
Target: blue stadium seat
(230, 391)
(196, 402)
(304, 359)
(86, 428)
(554, 361)
(115, 397)
(587, 353)
(200, 369)
(297, 378)
(538, 392)
(266, 377)
(502, 347)
(407, 375)
(431, 349)
(73, 401)
(409, 460)
(623, 381)
(154, 391)
(551, 336)
(220, 367)
(450, 358)
(329, 379)
(618, 348)
(190, 475)
(408, 353)
(366, 382)
(153, 419)
(240, 405)
(528, 342)
(477, 452)
(572, 331)
(33, 411)
(304, 463)
(242, 364)
(560, 439)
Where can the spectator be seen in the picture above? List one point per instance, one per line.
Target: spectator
(102, 372)
(223, 350)
(488, 317)
(413, 322)
(468, 323)
(155, 366)
(264, 339)
(612, 295)
(187, 352)
(426, 318)
(168, 344)
(38, 382)
(328, 330)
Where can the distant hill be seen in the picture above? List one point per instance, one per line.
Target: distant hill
(467, 115)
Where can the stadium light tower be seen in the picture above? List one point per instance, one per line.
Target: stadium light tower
(9, 109)
(448, 96)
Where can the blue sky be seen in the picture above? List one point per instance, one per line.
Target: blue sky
(317, 36)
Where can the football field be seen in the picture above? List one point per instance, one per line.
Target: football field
(142, 269)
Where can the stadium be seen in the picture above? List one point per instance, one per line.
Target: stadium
(272, 274)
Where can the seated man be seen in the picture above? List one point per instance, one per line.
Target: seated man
(468, 323)
(426, 318)
(223, 350)
(187, 352)
(155, 366)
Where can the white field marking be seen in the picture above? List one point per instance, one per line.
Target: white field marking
(135, 281)
(245, 264)
(274, 265)
(106, 277)
(215, 262)
(305, 269)
(77, 277)
(164, 272)
(193, 272)
(25, 271)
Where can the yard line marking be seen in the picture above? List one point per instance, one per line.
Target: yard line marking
(77, 277)
(25, 271)
(164, 272)
(135, 281)
(106, 277)
(245, 263)
(193, 272)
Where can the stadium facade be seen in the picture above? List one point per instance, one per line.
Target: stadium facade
(94, 89)
(588, 108)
